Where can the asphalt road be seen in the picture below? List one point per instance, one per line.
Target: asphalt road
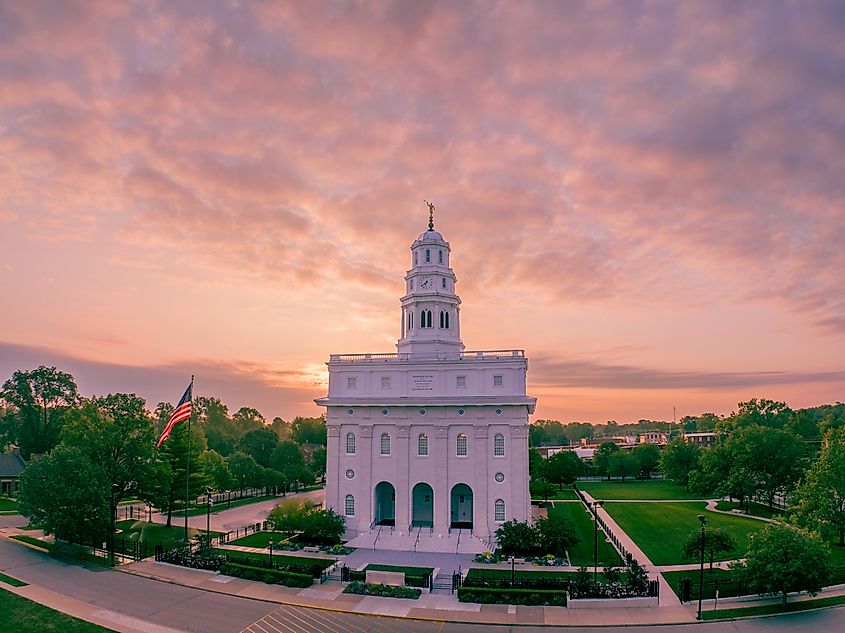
(194, 610)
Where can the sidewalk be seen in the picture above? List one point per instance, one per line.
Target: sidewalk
(668, 599)
(434, 606)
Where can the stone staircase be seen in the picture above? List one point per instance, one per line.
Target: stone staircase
(417, 539)
(442, 584)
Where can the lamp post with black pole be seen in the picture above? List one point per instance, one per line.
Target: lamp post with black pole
(513, 571)
(208, 518)
(595, 505)
(270, 546)
(703, 521)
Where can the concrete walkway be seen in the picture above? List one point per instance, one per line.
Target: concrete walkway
(668, 599)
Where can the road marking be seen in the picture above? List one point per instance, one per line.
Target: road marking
(289, 619)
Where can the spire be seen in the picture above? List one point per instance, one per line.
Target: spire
(430, 215)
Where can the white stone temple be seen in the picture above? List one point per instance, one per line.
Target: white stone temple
(428, 446)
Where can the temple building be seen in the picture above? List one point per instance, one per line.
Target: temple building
(428, 446)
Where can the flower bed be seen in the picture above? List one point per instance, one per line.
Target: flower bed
(533, 597)
(493, 558)
(384, 591)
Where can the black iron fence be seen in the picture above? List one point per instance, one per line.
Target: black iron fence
(233, 535)
(124, 549)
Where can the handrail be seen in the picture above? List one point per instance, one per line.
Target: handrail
(495, 354)
(378, 534)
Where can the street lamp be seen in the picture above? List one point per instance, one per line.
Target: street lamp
(595, 507)
(208, 519)
(513, 571)
(703, 521)
(270, 545)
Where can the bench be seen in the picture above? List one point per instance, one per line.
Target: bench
(311, 549)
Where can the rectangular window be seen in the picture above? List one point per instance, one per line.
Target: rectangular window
(461, 381)
(351, 382)
(497, 381)
(385, 382)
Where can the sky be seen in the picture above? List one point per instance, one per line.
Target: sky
(649, 198)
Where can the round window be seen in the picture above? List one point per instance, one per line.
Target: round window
(498, 412)
(422, 411)
(351, 473)
(500, 477)
(461, 411)
(384, 411)
(349, 412)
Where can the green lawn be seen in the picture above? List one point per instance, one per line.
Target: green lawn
(8, 505)
(650, 490)
(259, 539)
(20, 614)
(567, 494)
(155, 533)
(23, 538)
(14, 582)
(583, 552)
(728, 614)
(660, 529)
(196, 510)
(674, 579)
(754, 509)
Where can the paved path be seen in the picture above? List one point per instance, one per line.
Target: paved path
(711, 505)
(668, 599)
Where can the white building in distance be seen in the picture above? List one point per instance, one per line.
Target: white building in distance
(428, 446)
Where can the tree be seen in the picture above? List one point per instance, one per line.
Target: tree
(556, 535)
(66, 494)
(770, 459)
(259, 443)
(162, 414)
(248, 419)
(767, 413)
(541, 489)
(216, 471)
(281, 428)
(537, 435)
(287, 458)
(601, 457)
(41, 399)
(782, 558)
(245, 470)
(317, 465)
(220, 431)
(679, 459)
(623, 464)
(309, 430)
(323, 527)
(289, 515)
(172, 459)
(517, 537)
(536, 464)
(648, 458)
(716, 541)
(820, 498)
(116, 433)
(563, 468)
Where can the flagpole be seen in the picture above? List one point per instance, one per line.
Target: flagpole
(188, 460)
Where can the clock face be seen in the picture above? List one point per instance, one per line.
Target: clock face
(425, 283)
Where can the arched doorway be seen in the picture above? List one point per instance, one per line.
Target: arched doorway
(422, 511)
(385, 505)
(461, 516)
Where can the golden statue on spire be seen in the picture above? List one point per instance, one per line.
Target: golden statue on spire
(430, 215)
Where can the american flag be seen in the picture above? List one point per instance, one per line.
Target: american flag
(180, 414)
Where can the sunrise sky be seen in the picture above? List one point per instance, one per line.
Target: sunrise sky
(649, 198)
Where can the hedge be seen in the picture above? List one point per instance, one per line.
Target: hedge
(271, 576)
(384, 591)
(314, 569)
(531, 597)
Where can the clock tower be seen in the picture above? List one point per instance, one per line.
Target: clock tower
(430, 307)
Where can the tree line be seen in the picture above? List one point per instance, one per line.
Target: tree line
(87, 455)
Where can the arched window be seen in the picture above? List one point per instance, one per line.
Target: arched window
(461, 445)
(442, 320)
(442, 282)
(350, 443)
(422, 444)
(416, 259)
(499, 511)
(440, 256)
(499, 445)
(410, 320)
(385, 444)
(425, 318)
(427, 256)
(447, 320)
(349, 506)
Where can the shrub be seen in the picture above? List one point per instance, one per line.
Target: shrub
(270, 576)
(536, 597)
(517, 537)
(384, 591)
